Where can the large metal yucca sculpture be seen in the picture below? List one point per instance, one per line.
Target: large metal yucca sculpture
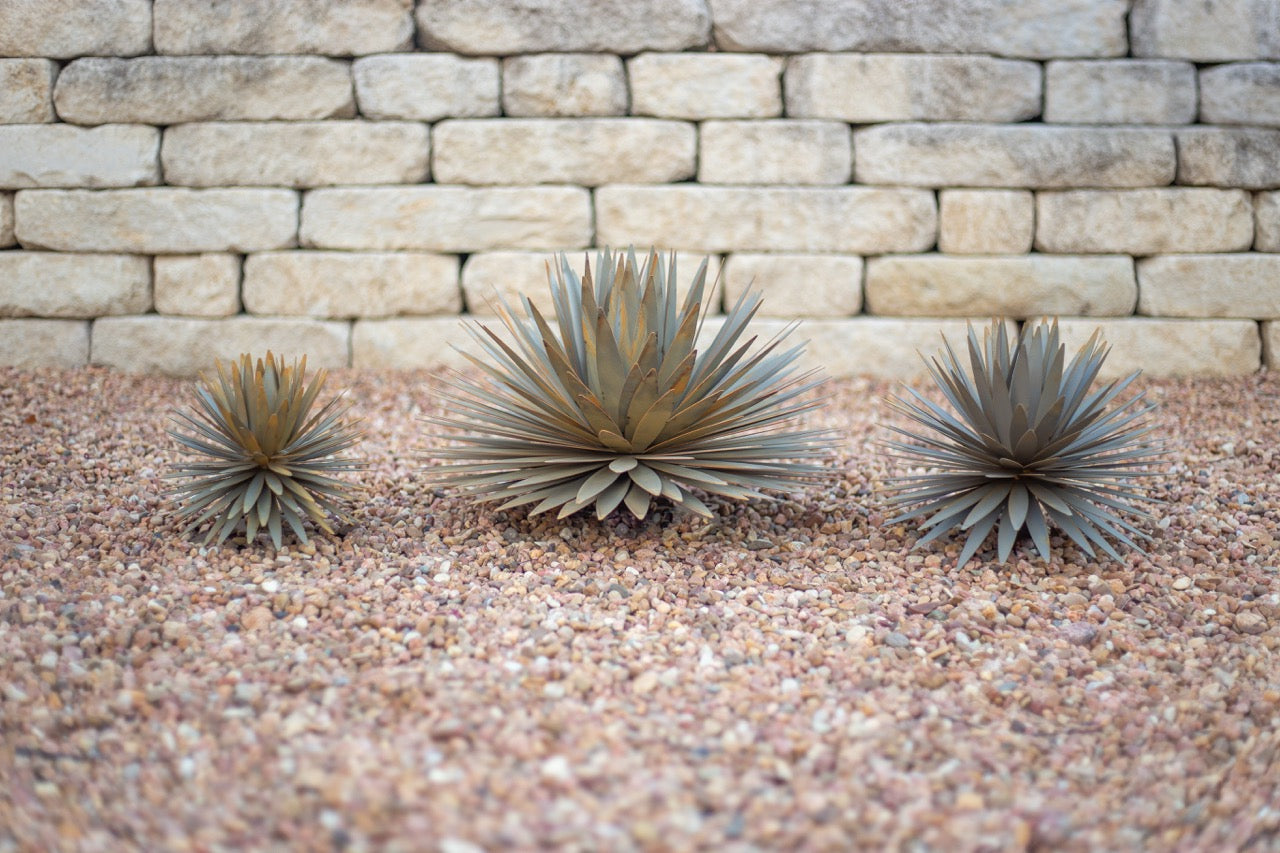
(615, 406)
(1029, 445)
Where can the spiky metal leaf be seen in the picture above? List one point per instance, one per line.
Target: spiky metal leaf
(1029, 445)
(264, 458)
(614, 405)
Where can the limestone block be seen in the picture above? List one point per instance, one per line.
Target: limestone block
(175, 89)
(206, 285)
(1248, 158)
(705, 85)
(1271, 344)
(26, 91)
(975, 155)
(162, 220)
(61, 155)
(1170, 347)
(503, 28)
(1241, 93)
(1266, 207)
(29, 344)
(295, 154)
(49, 284)
(587, 152)
(345, 284)
(449, 219)
(328, 27)
(802, 151)
(1035, 29)
(1243, 285)
(564, 84)
(1206, 30)
(1120, 91)
(986, 222)
(185, 346)
(1144, 222)
(426, 87)
(896, 87)
(407, 343)
(62, 29)
(793, 285)
(1018, 286)
(6, 220)
(853, 220)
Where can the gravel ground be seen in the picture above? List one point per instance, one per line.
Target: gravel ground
(790, 676)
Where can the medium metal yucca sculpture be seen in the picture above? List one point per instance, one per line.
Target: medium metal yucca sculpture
(615, 405)
(1029, 445)
(265, 459)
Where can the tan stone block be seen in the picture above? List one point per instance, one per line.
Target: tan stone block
(1120, 91)
(1144, 222)
(1271, 344)
(1243, 285)
(705, 85)
(1241, 93)
(1215, 31)
(426, 87)
(407, 343)
(1266, 207)
(774, 152)
(1170, 347)
(26, 91)
(1248, 158)
(6, 220)
(61, 29)
(347, 284)
(29, 344)
(564, 84)
(59, 155)
(327, 27)
(206, 285)
(48, 284)
(986, 222)
(792, 285)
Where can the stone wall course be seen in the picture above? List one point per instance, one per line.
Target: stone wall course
(26, 91)
(326, 27)
(1266, 208)
(705, 85)
(426, 87)
(1144, 222)
(7, 237)
(52, 284)
(1243, 285)
(1241, 93)
(409, 343)
(1246, 158)
(351, 284)
(1169, 348)
(782, 151)
(205, 285)
(32, 344)
(986, 222)
(1120, 91)
(1205, 30)
(61, 29)
(564, 84)
(61, 155)
(1271, 344)
(793, 285)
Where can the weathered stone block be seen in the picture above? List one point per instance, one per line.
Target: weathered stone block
(175, 89)
(974, 155)
(588, 152)
(30, 344)
(449, 219)
(1241, 93)
(1170, 347)
(184, 346)
(328, 27)
(163, 220)
(1023, 286)
(1266, 208)
(1248, 158)
(986, 222)
(426, 87)
(1245, 285)
(800, 151)
(406, 343)
(1271, 344)
(854, 220)
(48, 284)
(1206, 30)
(564, 84)
(1144, 222)
(26, 91)
(705, 85)
(895, 87)
(65, 28)
(60, 155)
(345, 284)
(796, 285)
(206, 285)
(6, 220)
(295, 154)
(1120, 91)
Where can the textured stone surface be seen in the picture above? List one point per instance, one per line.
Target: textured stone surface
(616, 26)
(426, 87)
(896, 87)
(1170, 347)
(1271, 344)
(1037, 29)
(856, 220)
(44, 343)
(174, 89)
(1144, 222)
(705, 85)
(1229, 157)
(986, 222)
(564, 84)
(944, 155)
(1120, 91)
(801, 151)
(60, 155)
(796, 285)
(26, 90)
(405, 343)
(943, 286)
(206, 285)
(6, 220)
(451, 219)
(345, 284)
(588, 152)
(49, 284)
(1244, 285)
(65, 28)
(295, 154)
(1206, 30)
(184, 346)
(328, 27)
(1241, 93)
(1266, 208)
(162, 220)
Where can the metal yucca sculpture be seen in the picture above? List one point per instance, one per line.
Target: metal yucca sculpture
(265, 459)
(618, 407)
(1030, 445)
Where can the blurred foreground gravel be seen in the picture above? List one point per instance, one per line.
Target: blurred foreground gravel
(791, 676)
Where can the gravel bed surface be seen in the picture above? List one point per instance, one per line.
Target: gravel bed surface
(791, 675)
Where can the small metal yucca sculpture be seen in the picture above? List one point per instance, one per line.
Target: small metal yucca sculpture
(1031, 445)
(619, 407)
(266, 459)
